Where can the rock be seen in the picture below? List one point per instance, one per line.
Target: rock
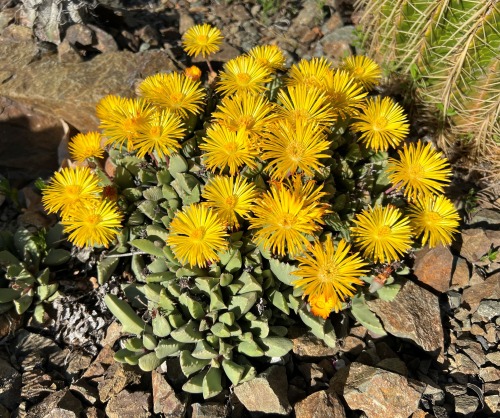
(433, 266)
(4, 412)
(460, 274)
(207, 410)
(327, 365)
(113, 333)
(307, 346)
(333, 23)
(129, 405)
(85, 390)
(104, 42)
(322, 404)
(492, 402)
(68, 54)
(101, 362)
(267, 393)
(165, 400)
(117, 377)
(93, 412)
(9, 322)
(37, 83)
(465, 365)
(490, 374)
(477, 242)
(336, 45)
(27, 343)
(79, 34)
(310, 15)
(492, 333)
(474, 350)
(296, 393)
(414, 314)
(352, 345)
(313, 374)
(395, 365)
(379, 393)
(10, 385)
(494, 358)
(489, 309)
(60, 404)
(466, 404)
(488, 289)
(185, 21)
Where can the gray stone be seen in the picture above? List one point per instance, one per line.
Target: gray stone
(489, 309)
(307, 346)
(207, 410)
(10, 385)
(336, 45)
(322, 404)
(413, 315)
(129, 405)
(494, 357)
(85, 390)
(79, 34)
(58, 89)
(380, 393)
(60, 404)
(165, 400)
(465, 404)
(310, 15)
(267, 393)
(27, 343)
(352, 345)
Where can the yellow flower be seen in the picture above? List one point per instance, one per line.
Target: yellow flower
(83, 146)
(364, 70)
(193, 72)
(382, 233)
(247, 112)
(96, 223)
(291, 148)
(243, 75)
(321, 306)
(345, 95)
(421, 170)
(161, 134)
(305, 103)
(312, 73)
(196, 234)
(109, 105)
(435, 218)
(309, 193)
(282, 221)
(229, 197)
(122, 124)
(328, 274)
(70, 188)
(382, 124)
(225, 148)
(202, 40)
(174, 92)
(270, 56)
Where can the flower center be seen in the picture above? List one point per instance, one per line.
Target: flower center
(288, 221)
(416, 171)
(155, 131)
(359, 71)
(245, 121)
(202, 39)
(231, 148)
(73, 192)
(301, 114)
(295, 151)
(198, 234)
(93, 219)
(433, 218)
(328, 272)
(380, 123)
(176, 98)
(243, 79)
(231, 201)
(383, 231)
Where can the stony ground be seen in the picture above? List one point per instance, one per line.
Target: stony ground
(441, 356)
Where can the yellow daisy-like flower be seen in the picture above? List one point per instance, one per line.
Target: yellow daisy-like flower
(84, 146)
(309, 192)
(305, 103)
(283, 221)
(321, 306)
(250, 113)
(161, 134)
(382, 233)
(420, 170)
(70, 188)
(226, 148)
(122, 124)
(435, 218)
(313, 72)
(243, 75)
(328, 274)
(291, 148)
(174, 92)
(345, 95)
(382, 124)
(270, 56)
(97, 223)
(196, 235)
(229, 197)
(110, 105)
(202, 40)
(364, 70)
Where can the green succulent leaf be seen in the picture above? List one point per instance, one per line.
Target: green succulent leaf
(366, 317)
(195, 383)
(212, 385)
(149, 362)
(161, 326)
(125, 314)
(275, 346)
(190, 364)
(105, 269)
(250, 349)
(188, 333)
(168, 348)
(204, 351)
(149, 247)
(233, 371)
(283, 271)
(56, 257)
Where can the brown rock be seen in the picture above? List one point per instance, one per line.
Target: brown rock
(322, 404)
(476, 329)
(494, 357)
(492, 334)
(465, 365)
(306, 345)
(99, 365)
(129, 405)
(474, 350)
(58, 89)
(104, 42)
(79, 34)
(352, 345)
(267, 393)
(68, 54)
(414, 314)
(10, 385)
(208, 410)
(113, 332)
(313, 374)
(477, 243)
(433, 266)
(395, 365)
(421, 414)
(381, 394)
(488, 289)
(117, 377)
(88, 392)
(10, 322)
(60, 404)
(165, 400)
(492, 402)
(461, 274)
(333, 23)
(93, 412)
(490, 374)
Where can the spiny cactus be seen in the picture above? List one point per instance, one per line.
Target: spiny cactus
(450, 48)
